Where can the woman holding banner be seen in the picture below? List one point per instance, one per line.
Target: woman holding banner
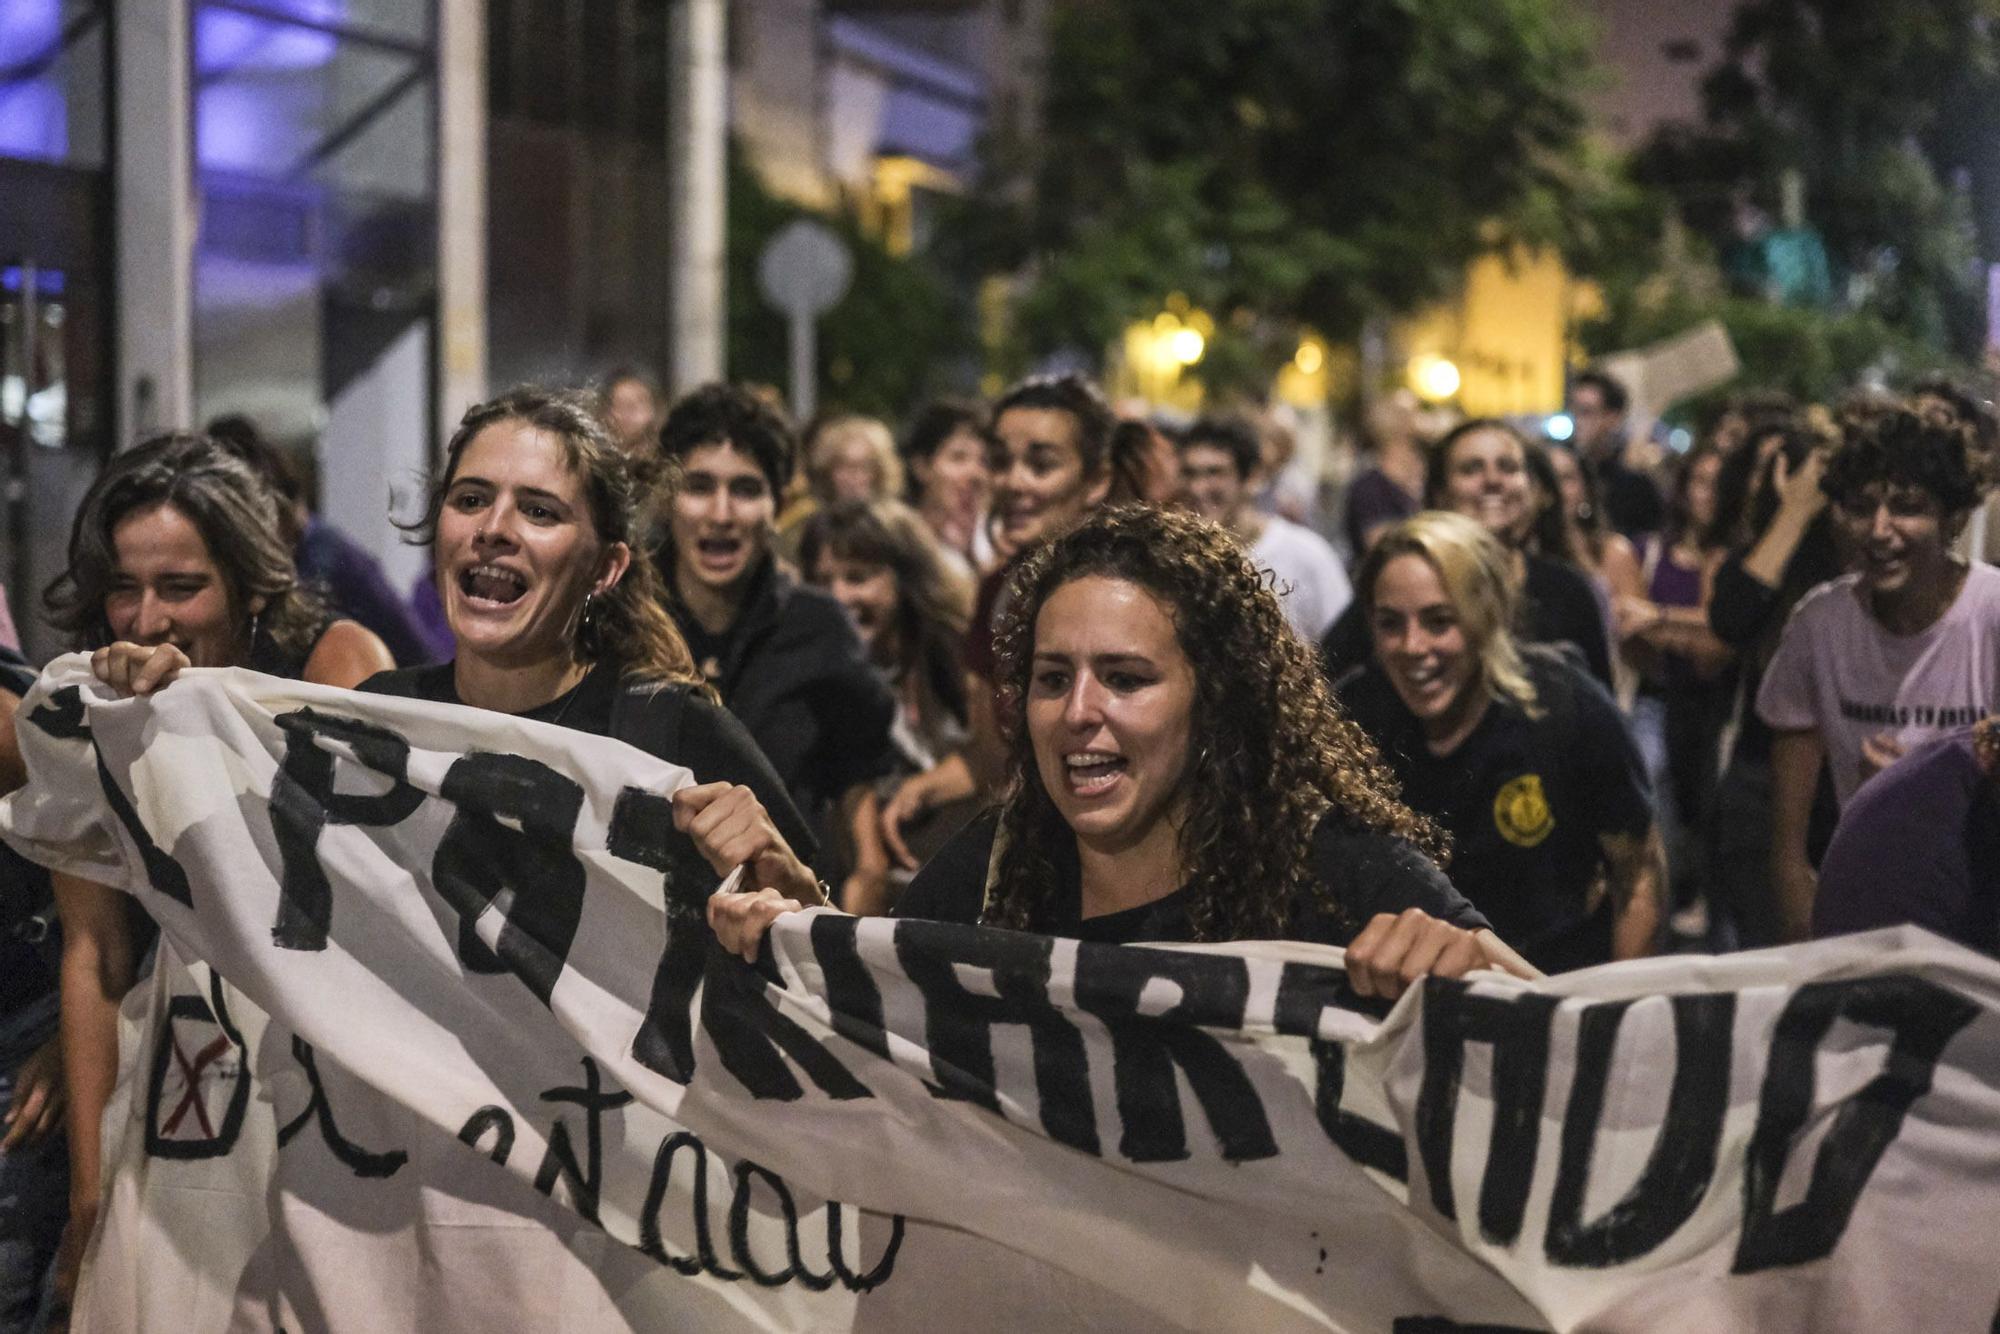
(1182, 774)
(532, 523)
(175, 560)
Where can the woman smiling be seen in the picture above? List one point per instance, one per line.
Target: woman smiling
(1482, 470)
(175, 560)
(1180, 773)
(1516, 752)
(532, 523)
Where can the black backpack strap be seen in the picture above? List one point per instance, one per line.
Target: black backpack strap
(648, 714)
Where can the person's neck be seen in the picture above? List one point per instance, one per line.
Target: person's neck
(1402, 462)
(1120, 878)
(511, 688)
(1917, 607)
(952, 525)
(1448, 731)
(887, 650)
(1248, 523)
(714, 609)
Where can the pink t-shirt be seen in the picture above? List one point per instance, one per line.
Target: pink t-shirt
(1839, 671)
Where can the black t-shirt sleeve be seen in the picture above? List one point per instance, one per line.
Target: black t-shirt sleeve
(1370, 872)
(1575, 618)
(860, 708)
(1740, 605)
(717, 748)
(1609, 773)
(951, 887)
(1345, 645)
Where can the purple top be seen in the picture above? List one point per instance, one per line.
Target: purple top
(1374, 499)
(1674, 585)
(1919, 843)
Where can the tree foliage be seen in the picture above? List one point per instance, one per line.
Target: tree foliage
(896, 336)
(1880, 108)
(1278, 160)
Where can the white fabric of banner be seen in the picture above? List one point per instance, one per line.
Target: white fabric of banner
(477, 1065)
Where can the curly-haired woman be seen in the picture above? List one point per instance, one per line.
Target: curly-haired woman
(1180, 773)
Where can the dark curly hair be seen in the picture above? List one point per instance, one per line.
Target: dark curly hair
(1270, 751)
(629, 624)
(232, 508)
(728, 414)
(1932, 448)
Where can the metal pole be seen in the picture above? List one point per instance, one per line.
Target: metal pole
(805, 358)
(697, 188)
(17, 450)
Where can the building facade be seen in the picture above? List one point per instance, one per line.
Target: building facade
(346, 219)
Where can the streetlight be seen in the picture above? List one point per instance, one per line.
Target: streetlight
(1434, 378)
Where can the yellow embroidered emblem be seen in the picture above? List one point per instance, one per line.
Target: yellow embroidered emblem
(1521, 811)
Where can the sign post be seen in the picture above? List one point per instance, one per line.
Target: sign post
(804, 271)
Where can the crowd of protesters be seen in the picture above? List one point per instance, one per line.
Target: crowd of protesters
(1524, 703)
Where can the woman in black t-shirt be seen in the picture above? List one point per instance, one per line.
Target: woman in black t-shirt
(1483, 469)
(532, 522)
(1519, 755)
(1180, 773)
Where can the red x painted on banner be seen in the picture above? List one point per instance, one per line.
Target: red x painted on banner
(192, 1075)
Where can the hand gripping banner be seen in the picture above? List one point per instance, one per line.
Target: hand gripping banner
(437, 1039)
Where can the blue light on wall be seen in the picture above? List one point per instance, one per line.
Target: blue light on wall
(226, 42)
(34, 116)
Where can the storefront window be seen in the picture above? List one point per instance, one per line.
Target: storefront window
(315, 149)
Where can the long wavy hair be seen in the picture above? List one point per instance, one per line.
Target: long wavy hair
(628, 625)
(232, 508)
(933, 605)
(1269, 752)
(1473, 567)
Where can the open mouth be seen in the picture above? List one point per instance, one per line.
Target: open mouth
(718, 552)
(1092, 773)
(1422, 683)
(1883, 565)
(492, 584)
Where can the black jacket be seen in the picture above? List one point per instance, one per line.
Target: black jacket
(792, 670)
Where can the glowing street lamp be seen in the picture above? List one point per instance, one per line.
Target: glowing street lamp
(1186, 345)
(1434, 378)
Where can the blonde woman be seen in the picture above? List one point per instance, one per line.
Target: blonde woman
(1522, 758)
(844, 457)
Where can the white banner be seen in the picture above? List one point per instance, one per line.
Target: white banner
(495, 1019)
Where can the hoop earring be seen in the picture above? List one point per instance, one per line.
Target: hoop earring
(256, 628)
(587, 630)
